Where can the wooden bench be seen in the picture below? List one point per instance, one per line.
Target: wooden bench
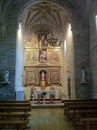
(87, 123)
(14, 120)
(83, 113)
(15, 109)
(12, 106)
(14, 115)
(15, 104)
(5, 116)
(11, 124)
(72, 107)
(74, 102)
(14, 101)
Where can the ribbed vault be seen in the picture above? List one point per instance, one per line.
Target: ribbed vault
(43, 10)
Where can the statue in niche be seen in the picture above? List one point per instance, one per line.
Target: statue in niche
(6, 76)
(43, 76)
(43, 79)
(83, 75)
(83, 67)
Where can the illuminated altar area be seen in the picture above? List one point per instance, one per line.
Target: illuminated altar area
(43, 65)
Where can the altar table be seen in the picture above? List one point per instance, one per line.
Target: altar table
(40, 92)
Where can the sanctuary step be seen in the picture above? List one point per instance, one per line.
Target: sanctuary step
(57, 103)
(47, 101)
(37, 106)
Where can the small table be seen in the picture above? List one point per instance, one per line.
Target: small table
(39, 92)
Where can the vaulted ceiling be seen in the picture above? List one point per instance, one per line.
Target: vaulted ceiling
(45, 16)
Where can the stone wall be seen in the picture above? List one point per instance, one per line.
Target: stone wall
(93, 47)
(7, 57)
(81, 57)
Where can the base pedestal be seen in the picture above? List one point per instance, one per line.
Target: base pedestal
(84, 83)
(4, 83)
(43, 84)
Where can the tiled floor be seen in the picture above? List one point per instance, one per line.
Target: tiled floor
(49, 119)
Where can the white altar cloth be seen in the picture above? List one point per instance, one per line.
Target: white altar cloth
(39, 92)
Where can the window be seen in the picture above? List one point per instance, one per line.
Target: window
(96, 21)
(65, 47)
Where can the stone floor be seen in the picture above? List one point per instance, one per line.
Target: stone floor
(49, 119)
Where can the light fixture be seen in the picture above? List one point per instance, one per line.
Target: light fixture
(52, 40)
(49, 37)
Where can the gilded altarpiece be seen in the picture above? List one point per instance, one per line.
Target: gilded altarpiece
(32, 75)
(41, 58)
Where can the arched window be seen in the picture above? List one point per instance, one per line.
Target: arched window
(96, 21)
(65, 47)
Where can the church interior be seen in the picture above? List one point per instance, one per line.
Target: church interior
(48, 50)
(44, 50)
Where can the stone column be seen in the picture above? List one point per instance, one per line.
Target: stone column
(19, 61)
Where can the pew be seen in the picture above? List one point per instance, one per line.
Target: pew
(14, 114)
(14, 101)
(70, 108)
(14, 124)
(6, 116)
(83, 113)
(87, 123)
(15, 104)
(15, 109)
(77, 100)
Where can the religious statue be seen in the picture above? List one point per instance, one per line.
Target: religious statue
(83, 75)
(42, 75)
(40, 43)
(6, 76)
(43, 80)
(42, 56)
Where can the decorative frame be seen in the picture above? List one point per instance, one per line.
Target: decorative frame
(54, 56)
(31, 43)
(30, 77)
(43, 55)
(31, 56)
(55, 77)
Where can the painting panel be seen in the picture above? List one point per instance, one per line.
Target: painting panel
(43, 55)
(54, 76)
(31, 77)
(30, 56)
(32, 42)
(54, 57)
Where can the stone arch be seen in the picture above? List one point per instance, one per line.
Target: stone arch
(77, 31)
